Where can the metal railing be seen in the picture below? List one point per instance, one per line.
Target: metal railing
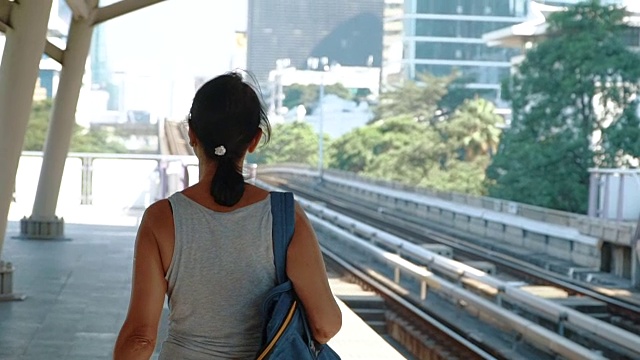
(586, 225)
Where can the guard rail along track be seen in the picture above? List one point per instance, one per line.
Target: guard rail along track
(411, 325)
(406, 225)
(617, 306)
(563, 316)
(528, 330)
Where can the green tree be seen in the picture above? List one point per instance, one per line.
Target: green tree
(410, 156)
(459, 176)
(429, 98)
(308, 95)
(295, 142)
(404, 150)
(95, 141)
(448, 155)
(458, 92)
(474, 128)
(81, 139)
(297, 94)
(356, 150)
(37, 128)
(419, 99)
(574, 107)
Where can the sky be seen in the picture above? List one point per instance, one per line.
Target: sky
(176, 37)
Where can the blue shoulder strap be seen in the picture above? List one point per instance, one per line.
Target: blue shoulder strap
(283, 213)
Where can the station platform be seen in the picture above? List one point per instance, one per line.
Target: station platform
(78, 292)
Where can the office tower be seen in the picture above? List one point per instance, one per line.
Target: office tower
(101, 74)
(445, 36)
(392, 41)
(239, 55)
(346, 32)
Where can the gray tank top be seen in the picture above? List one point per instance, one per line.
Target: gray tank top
(221, 270)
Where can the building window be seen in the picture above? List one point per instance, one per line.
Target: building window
(473, 7)
(470, 74)
(457, 51)
(457, 28)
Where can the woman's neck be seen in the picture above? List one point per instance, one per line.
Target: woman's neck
(207, 169)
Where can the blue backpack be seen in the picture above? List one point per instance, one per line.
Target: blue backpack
(286, 333)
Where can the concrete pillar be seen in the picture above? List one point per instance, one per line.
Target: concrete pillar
(23, 50)
(25, 42)
(43, 222)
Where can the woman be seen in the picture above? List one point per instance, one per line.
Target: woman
(209, 249)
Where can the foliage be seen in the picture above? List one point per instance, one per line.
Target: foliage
(37, 129)
(295, 142)
(574, 108)
(450, 155)
(458, 93)
(413, 141)
(474, 127)
(308, 95)
(419, 99)
(459, 176)
(81, 140)
(356, 150)
(430, 98)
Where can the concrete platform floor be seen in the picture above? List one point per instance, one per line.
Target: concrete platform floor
(77, 292)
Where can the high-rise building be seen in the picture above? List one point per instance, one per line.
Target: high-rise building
(49, 73)
(101, 74)
(522, 36)
(441, 37)
(239, 55)
(392, 42)
(631, 5)
(346, 32)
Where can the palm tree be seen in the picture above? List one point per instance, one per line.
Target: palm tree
(475, 126)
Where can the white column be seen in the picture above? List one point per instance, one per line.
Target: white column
(62, 122)
(20, 64)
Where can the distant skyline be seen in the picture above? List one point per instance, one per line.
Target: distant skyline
(175, 38)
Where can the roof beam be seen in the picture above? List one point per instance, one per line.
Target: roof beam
(121, 8)
(5, 14)
(80, 8)
(54, 52)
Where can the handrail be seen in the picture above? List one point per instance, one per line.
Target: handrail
(531, 331)
(551, 310)
(583, 223)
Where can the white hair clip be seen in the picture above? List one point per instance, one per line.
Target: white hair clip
(220, 150)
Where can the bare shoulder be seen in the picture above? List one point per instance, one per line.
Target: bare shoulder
(158, 219)
(256, 192)
(158, 212)
(157, 227)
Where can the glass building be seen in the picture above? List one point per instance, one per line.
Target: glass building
(442, 37)
(346, 32)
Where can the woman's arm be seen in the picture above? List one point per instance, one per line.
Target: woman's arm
(306, 270)
(137, 338)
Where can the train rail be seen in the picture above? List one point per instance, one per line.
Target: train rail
(177, 140)
(421, 334)
(414, 230)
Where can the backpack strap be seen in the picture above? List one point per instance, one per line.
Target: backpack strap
(283, 214)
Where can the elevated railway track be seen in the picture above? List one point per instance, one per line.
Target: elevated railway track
(624, 314)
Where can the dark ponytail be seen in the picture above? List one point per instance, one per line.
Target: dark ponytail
(227, 186)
